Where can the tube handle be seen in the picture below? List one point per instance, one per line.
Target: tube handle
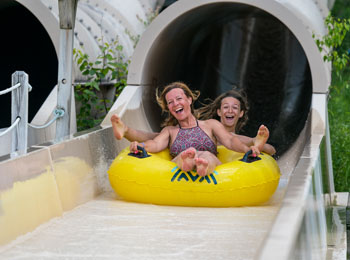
(141, 153)
(249, 159)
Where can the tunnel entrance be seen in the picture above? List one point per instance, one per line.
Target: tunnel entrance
(215, 46)
(26, 46)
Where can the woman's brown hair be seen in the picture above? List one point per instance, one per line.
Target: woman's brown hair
(170, 120)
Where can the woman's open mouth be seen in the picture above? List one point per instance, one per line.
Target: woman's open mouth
(179, 110)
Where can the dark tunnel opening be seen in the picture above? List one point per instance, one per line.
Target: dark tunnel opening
(26, 47)
(216, 46)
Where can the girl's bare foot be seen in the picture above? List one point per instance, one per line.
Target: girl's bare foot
(186, 162)
(202, 166)
(261, 137)
(119, 128)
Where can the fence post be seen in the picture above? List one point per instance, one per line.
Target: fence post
(64, 87)
(19, 108)
(67, 13)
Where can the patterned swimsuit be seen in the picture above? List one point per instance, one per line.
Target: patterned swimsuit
(192, 137)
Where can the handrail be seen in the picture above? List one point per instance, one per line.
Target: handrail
(57, 114)
(19, 113)
(2, 92)
(11, 127)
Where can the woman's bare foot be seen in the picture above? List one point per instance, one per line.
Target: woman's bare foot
(202, 166)
(261, 137)
(119, 128)
(186, 162)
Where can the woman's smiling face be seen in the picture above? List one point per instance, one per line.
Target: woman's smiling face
(178, 103)
(230, 112)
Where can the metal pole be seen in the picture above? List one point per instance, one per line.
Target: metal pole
(67, 12)
(19, 109)
(64, 82)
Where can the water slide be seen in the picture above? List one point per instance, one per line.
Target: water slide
(56, 202)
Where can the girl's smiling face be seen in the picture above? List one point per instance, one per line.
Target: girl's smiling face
(230, 112)
(178, 103)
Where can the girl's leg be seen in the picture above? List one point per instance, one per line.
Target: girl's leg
(121, 130)
(261, 137)
(185, 160)
(206, 162)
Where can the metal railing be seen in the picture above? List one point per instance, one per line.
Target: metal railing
(19, 114)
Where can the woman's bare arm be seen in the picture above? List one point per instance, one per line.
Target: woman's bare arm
(159, 143)
(139, 135)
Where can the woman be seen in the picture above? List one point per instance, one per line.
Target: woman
(192, 141)
(230, 108)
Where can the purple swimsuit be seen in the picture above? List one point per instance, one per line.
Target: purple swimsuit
(192, 137)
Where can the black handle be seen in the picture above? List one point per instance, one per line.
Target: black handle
(249, 159)
(142, 153)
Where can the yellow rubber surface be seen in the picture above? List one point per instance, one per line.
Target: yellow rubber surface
(157, 180)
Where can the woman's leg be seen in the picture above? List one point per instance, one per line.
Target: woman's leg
(185, 160)
(206, 162)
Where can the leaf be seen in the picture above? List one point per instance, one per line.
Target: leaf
(109, 57)
(95, 85)
(105, 71)
(83, 66)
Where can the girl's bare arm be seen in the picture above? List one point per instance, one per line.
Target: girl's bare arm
(249, 141)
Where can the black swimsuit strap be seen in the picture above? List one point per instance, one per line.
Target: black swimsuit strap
(196, 122)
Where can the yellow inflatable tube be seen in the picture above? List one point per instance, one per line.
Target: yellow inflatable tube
(157, 180)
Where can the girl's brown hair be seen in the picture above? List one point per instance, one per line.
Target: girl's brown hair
(210, 110)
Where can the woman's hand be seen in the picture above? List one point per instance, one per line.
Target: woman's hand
(255, 151)
(133, 146)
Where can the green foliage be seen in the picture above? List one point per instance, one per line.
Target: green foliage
(109, 68)
(339, 123)
(330, 43)
(334, 47)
